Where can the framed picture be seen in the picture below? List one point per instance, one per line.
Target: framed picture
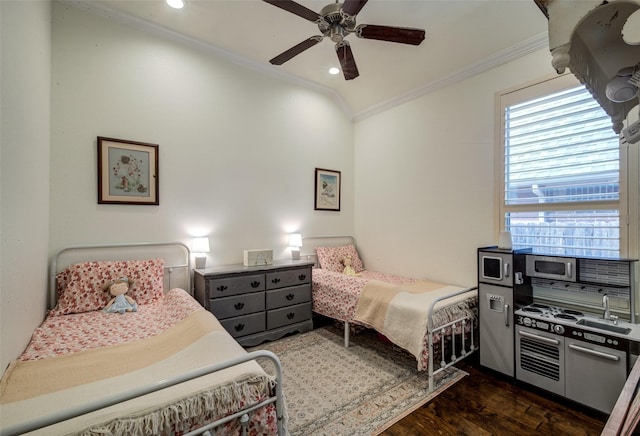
(127, 172)
(327, 189)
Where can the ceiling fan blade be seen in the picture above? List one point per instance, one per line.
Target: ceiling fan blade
(352, 7)
(295, 50)
(295, 8)
(403, 35)
(347, 61)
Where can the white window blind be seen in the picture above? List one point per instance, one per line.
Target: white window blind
(561, 190)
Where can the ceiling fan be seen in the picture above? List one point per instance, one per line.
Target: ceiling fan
(336, 21)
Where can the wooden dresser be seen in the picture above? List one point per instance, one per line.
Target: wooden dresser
(258, 303)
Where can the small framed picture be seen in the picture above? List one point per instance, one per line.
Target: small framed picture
(127, 172)
(327, 189)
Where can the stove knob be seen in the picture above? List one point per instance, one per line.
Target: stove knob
(527, 321)
(558, 329)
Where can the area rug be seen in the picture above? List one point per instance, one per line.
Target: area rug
(360, 390)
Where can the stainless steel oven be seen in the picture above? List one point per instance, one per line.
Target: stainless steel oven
(540, 359)
(556, 353)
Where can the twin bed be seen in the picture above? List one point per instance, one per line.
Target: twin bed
(424, 318)
(170, 367)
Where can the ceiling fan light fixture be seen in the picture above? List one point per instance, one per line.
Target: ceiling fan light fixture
(176, 4)
(334, 70)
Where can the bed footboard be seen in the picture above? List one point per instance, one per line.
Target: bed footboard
(452, 329)
(91, 406)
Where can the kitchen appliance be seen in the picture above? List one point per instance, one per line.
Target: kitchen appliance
(495, 266)
(558, 352)
(501, 285)
(548, 267)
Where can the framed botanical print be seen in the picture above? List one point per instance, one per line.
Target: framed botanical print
(127, 172)
(327, 195)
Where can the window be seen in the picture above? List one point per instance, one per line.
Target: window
(560, 159)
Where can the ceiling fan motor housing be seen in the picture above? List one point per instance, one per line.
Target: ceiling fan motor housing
(334, 23)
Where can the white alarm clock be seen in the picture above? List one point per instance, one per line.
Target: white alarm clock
(258, 257)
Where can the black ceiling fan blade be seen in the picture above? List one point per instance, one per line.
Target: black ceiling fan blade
(347, 61)
(403, 35)
(295, 8)
(352, 7)
(295, 50)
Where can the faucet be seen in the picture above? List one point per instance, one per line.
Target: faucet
(607, 313)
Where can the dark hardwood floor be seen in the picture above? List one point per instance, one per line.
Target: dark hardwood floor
(486, 403)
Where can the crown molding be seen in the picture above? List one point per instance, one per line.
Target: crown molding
(499, 58)
(260, 67)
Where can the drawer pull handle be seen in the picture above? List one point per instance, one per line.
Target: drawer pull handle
(290, 297)
(302, 277)
(239, 327)
(239, 306)
(255, 284)
(222, 288)
(290, 315)
(276, 280)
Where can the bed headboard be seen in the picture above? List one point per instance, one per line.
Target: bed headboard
(176, 255)
(309, 245)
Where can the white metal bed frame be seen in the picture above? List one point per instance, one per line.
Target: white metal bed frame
(178, 256)
(310, 245)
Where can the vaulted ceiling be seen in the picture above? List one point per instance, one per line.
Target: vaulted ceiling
(463, 37)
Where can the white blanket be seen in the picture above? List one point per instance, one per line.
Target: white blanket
(26, 393)
(400, 312)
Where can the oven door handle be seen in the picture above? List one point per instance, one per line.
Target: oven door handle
(539, 338)
(594, 352)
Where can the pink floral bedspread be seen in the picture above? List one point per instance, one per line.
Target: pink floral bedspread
(73, 333)
(336, 295)
(66, 334)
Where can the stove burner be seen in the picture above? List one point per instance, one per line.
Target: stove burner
(565, 316)
(573, 312)
(531, 309)
(540, 306)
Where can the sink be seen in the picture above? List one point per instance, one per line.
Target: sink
(603, 326)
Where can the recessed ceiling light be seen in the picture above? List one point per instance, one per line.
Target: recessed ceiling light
(176, 4)
(334, 70)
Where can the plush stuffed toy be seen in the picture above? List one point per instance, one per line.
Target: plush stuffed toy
(348, 269)
(120, 302)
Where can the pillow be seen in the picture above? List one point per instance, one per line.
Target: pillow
(330, 257)
(80, 287)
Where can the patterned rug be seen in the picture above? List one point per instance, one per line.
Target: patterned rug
(360, 390)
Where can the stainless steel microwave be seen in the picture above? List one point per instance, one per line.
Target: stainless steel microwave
(495, 267)
(548, 267)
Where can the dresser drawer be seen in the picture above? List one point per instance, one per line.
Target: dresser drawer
(225, 287)
(244, 325)
(288, 296)
(281, 279)
(243, 304)
(288, 315)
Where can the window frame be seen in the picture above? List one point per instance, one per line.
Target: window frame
(538, 88)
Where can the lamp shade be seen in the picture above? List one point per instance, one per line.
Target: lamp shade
(295, 240)
(200, 245)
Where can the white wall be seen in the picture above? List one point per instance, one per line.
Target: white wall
(424, 177)
(25, 35)
(237, 148)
